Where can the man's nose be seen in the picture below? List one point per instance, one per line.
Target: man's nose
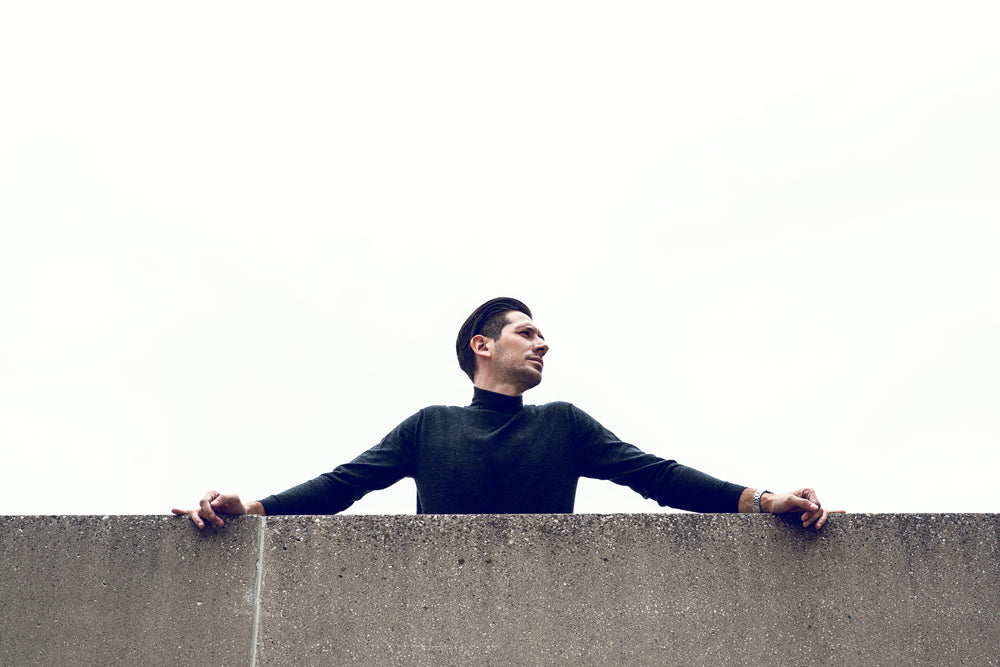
(541, 348)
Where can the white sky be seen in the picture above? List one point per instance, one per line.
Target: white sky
(237, 239)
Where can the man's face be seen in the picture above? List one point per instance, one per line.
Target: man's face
(518, 352)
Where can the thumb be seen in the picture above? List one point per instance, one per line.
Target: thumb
(803, 503)
(791, 502)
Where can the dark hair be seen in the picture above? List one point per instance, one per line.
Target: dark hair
(488, 320)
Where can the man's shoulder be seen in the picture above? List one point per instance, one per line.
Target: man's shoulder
(565, 410)
(444, 408)
(555, 407)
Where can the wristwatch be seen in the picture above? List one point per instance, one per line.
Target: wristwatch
(756, 500)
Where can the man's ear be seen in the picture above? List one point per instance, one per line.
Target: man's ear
(480, 345)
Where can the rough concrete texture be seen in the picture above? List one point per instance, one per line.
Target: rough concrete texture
(125, 590)
(631, 589)
(506, 589)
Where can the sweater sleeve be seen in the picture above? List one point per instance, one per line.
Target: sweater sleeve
(378, 468)
(670, 484)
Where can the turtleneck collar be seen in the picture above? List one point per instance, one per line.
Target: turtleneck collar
(490, 400)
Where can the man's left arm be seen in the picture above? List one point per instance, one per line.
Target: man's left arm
(604, 456)
(803, 502)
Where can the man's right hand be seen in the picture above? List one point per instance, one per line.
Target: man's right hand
(214, 503)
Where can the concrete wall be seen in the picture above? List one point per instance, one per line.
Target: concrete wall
(506, 589)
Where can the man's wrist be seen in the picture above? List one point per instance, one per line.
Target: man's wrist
(255, 508)
(747, 505)
(765, 502)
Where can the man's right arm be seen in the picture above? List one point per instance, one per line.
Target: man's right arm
(379, 467)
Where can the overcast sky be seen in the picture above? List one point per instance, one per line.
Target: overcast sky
(237, 239)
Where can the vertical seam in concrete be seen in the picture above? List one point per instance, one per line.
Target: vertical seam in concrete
(257, 588)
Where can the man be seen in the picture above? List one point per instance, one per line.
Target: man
(500, 456)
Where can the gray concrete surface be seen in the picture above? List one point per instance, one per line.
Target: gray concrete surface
(632, 589)
(125, 590)
(550, 589)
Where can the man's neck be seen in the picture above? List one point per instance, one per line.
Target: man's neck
(497, 387)
(484, 399)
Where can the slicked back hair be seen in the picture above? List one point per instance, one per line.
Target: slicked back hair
(488, 320)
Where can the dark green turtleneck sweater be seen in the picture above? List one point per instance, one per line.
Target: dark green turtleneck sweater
(499, 456)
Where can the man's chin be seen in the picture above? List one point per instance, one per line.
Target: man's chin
(531, 380)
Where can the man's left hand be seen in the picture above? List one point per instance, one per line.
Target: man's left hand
(802, 501)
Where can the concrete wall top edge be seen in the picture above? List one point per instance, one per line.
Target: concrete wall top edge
(500, 589)
(171, 517)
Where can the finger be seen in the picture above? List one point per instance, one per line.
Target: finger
(221, 502)
(207, 512)
(809, 495)
(191, 514)
(805, 504)
(826, 515)
(207, 508)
